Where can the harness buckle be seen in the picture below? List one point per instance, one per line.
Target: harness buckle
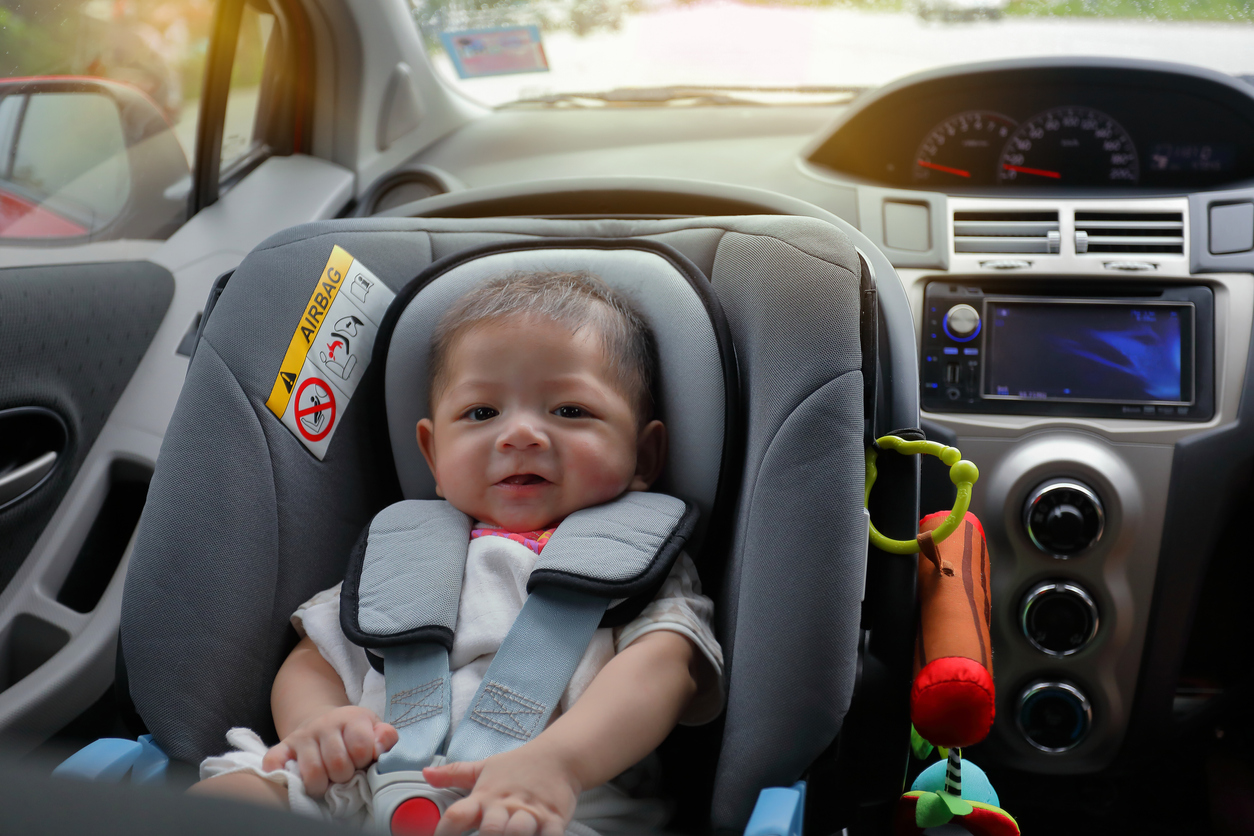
(405, 804)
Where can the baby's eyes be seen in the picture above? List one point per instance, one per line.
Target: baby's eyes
(481, 413)
(570, 412)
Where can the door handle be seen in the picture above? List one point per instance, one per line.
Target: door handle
(21, 479)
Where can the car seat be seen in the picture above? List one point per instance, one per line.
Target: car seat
(768, 407)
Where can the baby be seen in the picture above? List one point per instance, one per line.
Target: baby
(541, 405)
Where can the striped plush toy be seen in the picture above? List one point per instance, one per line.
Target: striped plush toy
(952, 701)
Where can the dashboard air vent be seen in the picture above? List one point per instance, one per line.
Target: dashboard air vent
(1144, 233)
(1006, 232)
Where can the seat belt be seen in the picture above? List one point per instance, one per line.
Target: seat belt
(419, 704)
(401, 593)
(516, 697)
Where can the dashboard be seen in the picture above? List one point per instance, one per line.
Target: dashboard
(1075, 237)
(1048, 128)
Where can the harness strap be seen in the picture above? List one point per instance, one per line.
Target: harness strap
(519, 692)
(516, 698)
(401, 595)
(419, 703)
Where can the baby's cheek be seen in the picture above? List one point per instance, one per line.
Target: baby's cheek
(605, 470)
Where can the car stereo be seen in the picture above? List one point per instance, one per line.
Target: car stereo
(1145, 355)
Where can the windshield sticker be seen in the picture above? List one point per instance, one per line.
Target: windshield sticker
(500, 51)
(329, 351)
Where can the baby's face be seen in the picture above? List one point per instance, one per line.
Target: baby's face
(533, 426)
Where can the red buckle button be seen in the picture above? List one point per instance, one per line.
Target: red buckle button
(415, 817)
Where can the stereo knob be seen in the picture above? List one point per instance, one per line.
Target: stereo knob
(1058, 618)
(1064, 517)
(1053, 716)
(962, 322)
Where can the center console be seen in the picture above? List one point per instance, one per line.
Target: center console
(1146, 352)
(1070, 395)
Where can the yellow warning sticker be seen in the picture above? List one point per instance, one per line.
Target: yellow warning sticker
(311, 320)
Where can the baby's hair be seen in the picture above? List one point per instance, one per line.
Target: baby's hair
(575, 300)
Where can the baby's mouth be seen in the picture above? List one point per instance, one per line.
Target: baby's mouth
(523, 479)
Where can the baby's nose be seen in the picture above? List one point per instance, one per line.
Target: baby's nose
(522, 433)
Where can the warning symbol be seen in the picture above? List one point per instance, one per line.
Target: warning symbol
(289, 380)
(315, 409)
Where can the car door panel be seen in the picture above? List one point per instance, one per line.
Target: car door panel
(59, 610)
(70, 338)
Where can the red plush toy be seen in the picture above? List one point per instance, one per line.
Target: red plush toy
(951, 703)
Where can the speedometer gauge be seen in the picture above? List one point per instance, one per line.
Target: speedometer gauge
(1069, 146)
(962, 149)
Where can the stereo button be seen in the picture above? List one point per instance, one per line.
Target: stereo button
(962, 322)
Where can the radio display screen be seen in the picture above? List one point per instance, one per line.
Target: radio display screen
(1083, 350)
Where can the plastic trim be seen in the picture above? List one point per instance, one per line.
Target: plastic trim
(779, 811)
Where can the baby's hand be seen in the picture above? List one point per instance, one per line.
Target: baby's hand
(331, 746)
(524, 792)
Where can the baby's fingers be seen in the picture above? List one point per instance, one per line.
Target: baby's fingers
(335, 757)
(359, 741)
(522, 823)
(385, 737)
(462, 774)
(460, 817)
(277, 757)
(495, 817)
(312, 771)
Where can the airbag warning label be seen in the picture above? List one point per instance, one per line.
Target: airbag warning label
(329, 351)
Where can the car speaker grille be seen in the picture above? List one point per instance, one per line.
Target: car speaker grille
(1006, 232)
(1142, 233)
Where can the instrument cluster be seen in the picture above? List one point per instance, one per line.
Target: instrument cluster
(1111, 129)
(1064, 144)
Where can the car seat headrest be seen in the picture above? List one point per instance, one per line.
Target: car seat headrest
(694, 351)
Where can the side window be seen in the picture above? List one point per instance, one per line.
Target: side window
(85, 176)
(98, 110)
(100, 104)
(240, 140)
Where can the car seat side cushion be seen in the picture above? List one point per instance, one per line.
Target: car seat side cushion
(404, 576)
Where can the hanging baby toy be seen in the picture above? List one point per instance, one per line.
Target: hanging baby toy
(952, 699)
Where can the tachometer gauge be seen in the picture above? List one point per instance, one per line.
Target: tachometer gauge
(962, 150)
(1069, 146)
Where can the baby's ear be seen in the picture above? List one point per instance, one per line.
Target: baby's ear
(426, 443)
(650, 456)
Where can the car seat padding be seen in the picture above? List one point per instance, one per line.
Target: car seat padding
(243, 523)
(659, 282)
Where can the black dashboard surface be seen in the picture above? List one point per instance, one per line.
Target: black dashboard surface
(1049, 127)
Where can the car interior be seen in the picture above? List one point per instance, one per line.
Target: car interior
(1027, 227)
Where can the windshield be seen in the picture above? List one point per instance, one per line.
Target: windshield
(715, 52)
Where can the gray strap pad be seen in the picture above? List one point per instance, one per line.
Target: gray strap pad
(405, 574)
(616, 550)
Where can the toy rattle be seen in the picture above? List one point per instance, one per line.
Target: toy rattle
(952, 700)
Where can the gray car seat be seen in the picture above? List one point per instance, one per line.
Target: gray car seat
(243, 522)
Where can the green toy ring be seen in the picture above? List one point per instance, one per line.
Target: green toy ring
(961, 472)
